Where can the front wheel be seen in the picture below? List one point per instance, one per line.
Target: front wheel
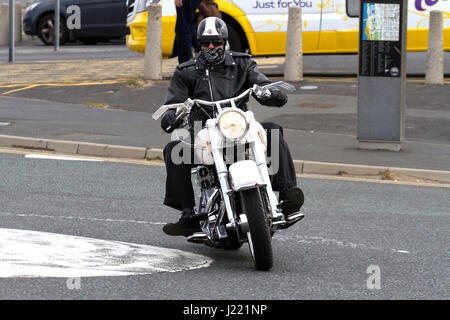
(259, 238)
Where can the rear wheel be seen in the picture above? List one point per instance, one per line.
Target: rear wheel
(259, 237)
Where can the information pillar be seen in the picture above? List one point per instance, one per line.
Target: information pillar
(382, 74)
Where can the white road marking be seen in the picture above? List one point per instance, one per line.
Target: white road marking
(48, 157)
(43, 216)
(402, 251)
(31, 254)
(340, 243)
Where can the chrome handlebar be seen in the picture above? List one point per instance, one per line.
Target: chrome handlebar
(184, 109)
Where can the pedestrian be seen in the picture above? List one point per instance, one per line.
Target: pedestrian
(185, 33)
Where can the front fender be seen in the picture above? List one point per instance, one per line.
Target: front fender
(244, 175)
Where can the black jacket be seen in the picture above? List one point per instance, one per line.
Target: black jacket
(237, 73)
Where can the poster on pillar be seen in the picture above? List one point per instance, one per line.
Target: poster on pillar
(381, 47)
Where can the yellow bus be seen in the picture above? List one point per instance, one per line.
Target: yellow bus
(259, 26)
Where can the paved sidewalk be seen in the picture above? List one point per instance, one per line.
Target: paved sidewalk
(35, 72)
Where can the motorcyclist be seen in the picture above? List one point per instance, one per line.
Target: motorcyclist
(215, 74)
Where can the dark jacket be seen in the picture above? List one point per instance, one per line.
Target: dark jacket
(237, 73)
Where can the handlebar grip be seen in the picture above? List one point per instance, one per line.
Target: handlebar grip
(176, 120)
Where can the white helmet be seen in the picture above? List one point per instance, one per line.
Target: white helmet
(212, 28)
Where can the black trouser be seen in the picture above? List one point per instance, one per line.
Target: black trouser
(186, 34)
(179, 190)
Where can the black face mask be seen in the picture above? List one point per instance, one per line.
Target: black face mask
(209, 57)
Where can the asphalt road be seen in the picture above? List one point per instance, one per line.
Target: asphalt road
(350, 228)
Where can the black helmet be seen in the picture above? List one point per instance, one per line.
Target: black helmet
(212, 28)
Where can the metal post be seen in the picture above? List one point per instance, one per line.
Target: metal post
(12, 40)
(56, 26)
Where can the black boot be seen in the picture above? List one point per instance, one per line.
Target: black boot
(184, 227)
(293, 199)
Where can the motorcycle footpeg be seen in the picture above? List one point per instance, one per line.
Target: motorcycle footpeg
(292, 219)
(198, 237)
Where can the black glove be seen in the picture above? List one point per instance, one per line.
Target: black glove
(278, 98)
(169, 119)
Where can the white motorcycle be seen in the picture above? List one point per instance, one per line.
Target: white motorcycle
(236, 202)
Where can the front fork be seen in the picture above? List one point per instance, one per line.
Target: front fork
(261, 161)
(222, 173)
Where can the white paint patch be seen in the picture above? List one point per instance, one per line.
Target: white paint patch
(308, 87)
(402, 251)
(31, 254)
(47, 157)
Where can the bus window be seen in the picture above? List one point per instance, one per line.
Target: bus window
(352, 7)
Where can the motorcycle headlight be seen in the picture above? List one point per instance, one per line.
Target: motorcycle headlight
(232, 124)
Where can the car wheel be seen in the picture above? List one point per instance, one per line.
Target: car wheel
(46, 30)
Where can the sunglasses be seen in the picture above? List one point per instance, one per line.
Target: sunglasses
(215, 43)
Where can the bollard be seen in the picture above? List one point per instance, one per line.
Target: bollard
(293, 67)
(4, 24)
(153, 46)
(435, 57)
